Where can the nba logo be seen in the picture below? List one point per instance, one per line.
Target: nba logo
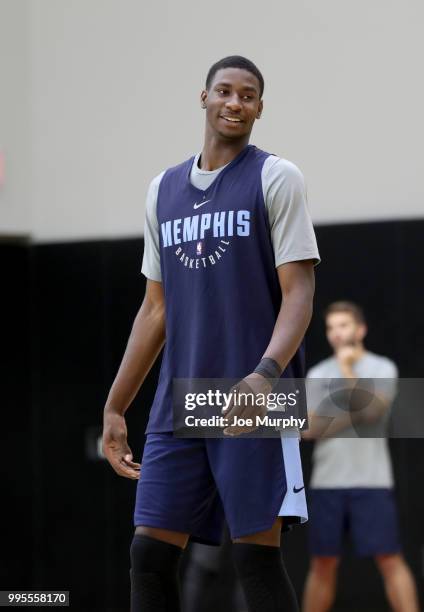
(199, 248)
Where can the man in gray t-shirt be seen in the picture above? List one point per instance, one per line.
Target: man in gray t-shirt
(349, 398)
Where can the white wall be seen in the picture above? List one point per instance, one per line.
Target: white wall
(114, 92)
(15, 210)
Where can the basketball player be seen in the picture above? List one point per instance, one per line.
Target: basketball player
(227, 234)
(352, 480)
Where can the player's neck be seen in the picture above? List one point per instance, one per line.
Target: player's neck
(217, 153)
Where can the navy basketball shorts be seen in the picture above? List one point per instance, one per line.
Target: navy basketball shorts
(192, 485)
(368, 515)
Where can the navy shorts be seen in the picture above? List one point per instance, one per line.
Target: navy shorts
(368, 515)
(192, 485)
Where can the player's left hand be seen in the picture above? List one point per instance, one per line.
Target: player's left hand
(256, 387)
(115, 446)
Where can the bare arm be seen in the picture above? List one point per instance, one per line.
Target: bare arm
(361, 410)
(297, 282)
(325, 426)
(328, 427)
(144, 345)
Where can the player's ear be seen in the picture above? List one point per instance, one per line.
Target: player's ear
(203, 98)
(260, 109)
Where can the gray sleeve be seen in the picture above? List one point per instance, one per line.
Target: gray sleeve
(151, 258)
(386, 381)
(292, 233)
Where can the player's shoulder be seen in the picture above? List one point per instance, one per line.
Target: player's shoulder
(385, 366)
(178, 168)
(322, 369)
(152, 194)
(170, 171)
(155, 182)
(280, 168)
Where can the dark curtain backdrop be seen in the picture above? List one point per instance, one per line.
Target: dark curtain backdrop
(66, 313)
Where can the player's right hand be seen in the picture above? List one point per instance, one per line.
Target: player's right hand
(115, 446)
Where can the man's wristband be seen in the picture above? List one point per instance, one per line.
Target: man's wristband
(268, 368)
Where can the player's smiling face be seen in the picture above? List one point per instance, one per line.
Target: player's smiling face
(232, 102)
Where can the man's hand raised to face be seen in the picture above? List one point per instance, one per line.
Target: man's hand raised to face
(347, 355)
(256, 388)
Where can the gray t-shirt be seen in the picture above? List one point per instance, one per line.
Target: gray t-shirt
(348, 461)
(283, 185)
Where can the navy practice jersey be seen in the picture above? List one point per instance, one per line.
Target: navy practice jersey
(221, 287)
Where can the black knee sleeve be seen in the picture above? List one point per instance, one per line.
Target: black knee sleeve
(154, 575)
(264, 578)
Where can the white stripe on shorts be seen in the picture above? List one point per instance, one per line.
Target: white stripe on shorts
(294, 504)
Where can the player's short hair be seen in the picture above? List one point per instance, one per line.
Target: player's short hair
(236, 61)
(346, 306)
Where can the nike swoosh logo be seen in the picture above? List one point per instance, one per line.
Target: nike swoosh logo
(298, 490)
(199, 204)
